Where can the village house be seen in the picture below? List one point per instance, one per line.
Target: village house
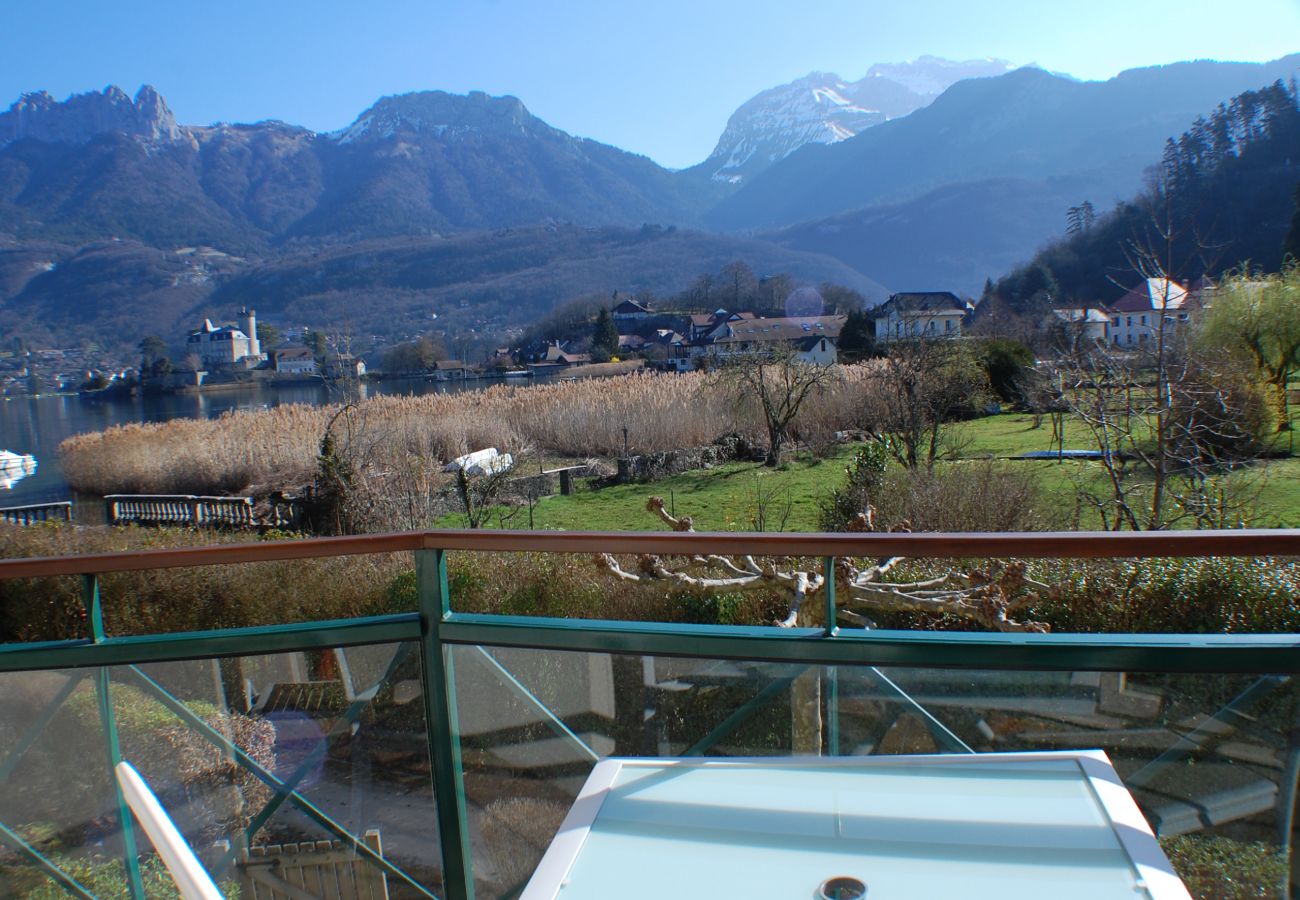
(630, 311)
(919, 314)
(556, 357)
(702, 325)
(294, 359)
(1135, 317)
(735, 336)
(344, 365)
(227, 346)
(1084, 324)
(449, 370)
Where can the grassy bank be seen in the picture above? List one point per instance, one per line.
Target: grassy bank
(739, 496)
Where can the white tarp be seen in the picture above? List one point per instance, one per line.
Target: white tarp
(481, 462)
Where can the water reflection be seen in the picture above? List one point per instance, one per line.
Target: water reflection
(14, 467)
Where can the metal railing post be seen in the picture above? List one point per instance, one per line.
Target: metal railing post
(443, 726)
(108, 722)
(832, 672)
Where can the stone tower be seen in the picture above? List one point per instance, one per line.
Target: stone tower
(248, 321)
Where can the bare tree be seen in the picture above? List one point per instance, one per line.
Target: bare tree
(918, 389)
(779, 384)
(1170, 426)
(1169, 431)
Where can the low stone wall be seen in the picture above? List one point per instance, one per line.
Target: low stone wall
(653, 466)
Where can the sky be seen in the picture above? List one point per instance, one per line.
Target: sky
(658, 78)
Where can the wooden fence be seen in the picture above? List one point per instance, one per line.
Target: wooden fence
(315, 869)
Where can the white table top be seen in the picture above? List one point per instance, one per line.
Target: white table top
(1032, 825)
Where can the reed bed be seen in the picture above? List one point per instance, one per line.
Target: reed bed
(638, 413)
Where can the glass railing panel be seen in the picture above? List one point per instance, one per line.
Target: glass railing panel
(1210, 759)
(55, 793)
(307, 767)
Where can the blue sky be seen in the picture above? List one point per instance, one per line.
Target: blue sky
(658, 78)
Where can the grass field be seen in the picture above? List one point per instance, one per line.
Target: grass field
(729, 497)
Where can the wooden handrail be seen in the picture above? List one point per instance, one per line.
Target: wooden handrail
(1044, 545)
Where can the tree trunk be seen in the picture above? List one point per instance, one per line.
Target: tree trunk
(775, 449)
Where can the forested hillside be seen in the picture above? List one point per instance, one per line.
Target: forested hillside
(1223, 196)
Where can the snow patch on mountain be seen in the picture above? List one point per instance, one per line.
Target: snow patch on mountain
(932, 75)
(821, 108)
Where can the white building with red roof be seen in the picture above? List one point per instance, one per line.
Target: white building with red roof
(1135, 318)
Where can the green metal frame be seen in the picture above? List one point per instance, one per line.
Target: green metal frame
(436, 628)
(15, 841)
(108, 722)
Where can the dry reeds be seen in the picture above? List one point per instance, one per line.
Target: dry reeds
(638, 413)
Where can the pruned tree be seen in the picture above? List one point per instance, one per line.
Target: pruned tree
(778, 383)
(992, 597)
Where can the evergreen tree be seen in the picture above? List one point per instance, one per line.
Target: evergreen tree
(857, 337)
(1291, 248)
(604, 338)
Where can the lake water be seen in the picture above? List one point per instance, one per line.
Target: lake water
(38, 425)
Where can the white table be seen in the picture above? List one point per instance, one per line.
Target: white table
(1006, 825)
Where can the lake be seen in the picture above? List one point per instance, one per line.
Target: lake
(37, 425)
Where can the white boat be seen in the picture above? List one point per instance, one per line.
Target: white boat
(14, 467)
(17, 462)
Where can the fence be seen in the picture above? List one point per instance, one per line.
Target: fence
(37, 512)
(188, 509)
(513, 710)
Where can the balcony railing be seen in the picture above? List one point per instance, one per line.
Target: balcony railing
(440, 747)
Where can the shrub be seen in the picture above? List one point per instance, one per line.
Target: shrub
(1008, 364)
(977, 495)
(865, 474)
(712, 609)
(1197, 595)
(184, 599)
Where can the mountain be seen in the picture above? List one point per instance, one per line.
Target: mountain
(1025, 124)
(440, 162)
(1222, 197)
(81, 117)
(824, 109)
(505, 277)
(101, 166)
(951, 238)
(119, 291)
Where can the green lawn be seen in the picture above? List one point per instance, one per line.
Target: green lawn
(724, 498)
(728, 497)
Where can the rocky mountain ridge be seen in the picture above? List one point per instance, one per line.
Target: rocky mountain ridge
(82, 116)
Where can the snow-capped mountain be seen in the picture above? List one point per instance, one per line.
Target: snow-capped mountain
(930, 76)
(822, 108)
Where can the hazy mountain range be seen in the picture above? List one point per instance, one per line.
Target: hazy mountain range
(921, 176)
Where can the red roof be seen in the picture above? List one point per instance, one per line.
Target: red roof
(1153, 293)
